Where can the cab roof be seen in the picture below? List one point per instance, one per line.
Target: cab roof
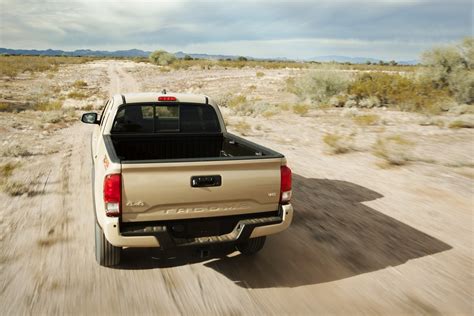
(153, 97)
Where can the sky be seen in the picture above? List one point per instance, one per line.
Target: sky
(383, 29)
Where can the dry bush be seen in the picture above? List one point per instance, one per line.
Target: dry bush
(300, 109)
(366, 119)
(78, 95)
(48, 106)
(394, 150)
(162, 58)
(339, 144)
(452, 68)
(461, 124)
(269, 113)
(6, 170)
(401, 92)
(242, 127)
(78, 84)
(15, 188)
(260, 74)
(16, 151)
(236, 101)
(284, 106)
(319, 85)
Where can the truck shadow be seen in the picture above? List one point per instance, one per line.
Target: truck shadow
(333, 236)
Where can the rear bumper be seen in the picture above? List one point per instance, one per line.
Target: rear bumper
(158, 236)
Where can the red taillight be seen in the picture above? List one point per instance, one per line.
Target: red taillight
(166, 98)
(285, 187)
(112, 194)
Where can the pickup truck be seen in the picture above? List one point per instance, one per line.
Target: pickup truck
(166, 174)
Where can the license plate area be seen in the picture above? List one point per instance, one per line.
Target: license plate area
(206, 181)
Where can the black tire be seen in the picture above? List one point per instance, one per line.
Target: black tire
(106, 254)
(251, 246)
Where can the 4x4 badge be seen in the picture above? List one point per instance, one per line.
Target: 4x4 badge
(137, 203)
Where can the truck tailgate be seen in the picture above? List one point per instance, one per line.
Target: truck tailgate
(164, 191)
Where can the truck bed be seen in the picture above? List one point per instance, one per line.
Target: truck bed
(176, 146)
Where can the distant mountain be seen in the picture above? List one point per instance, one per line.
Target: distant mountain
(78, 52)
(356, 60)
(101, 53)
(140, 53)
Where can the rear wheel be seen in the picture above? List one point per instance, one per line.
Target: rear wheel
(251, 246)
(106, 254)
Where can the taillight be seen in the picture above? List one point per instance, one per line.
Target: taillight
(285, 187)
(112, 194)
(166, 98)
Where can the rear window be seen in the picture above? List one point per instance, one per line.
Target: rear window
(158, 118)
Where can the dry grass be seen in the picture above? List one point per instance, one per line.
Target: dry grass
(339, 144)
(15, 151)
(6, 170)
(461, 124)
(15, 188)
(260, 74)
(268, 114)
(78, 84)
(48, 106)
(236, 101)
(78, 95)
(394, 150)
(243, 128)
(209, 64)
(366, 119)
(300, 109)
(12, 66)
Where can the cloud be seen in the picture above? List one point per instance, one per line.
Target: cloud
(301, 28)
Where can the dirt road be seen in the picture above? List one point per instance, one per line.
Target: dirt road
(364, 240)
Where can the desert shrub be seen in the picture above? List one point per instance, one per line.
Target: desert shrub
(237, 103)
(366, 119)
(6, 170)
(269, 113)
(461, 124)
(16, 150)
(259, 74)
(162, 58)
(338, 100)
(242, 127)
(78, 84)
(284, 106)
(300, 109)
(339, 144)
(319, 85)
(394, 150)
(78, 95)
(48, 106)
(452, 68)
(4, 107)
(15, 188)
(398, 91)
(369, 102)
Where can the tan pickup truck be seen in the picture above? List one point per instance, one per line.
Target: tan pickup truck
(166, 173)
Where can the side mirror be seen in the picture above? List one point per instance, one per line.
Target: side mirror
(89, 118)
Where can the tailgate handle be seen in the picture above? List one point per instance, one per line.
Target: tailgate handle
(206, 181)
